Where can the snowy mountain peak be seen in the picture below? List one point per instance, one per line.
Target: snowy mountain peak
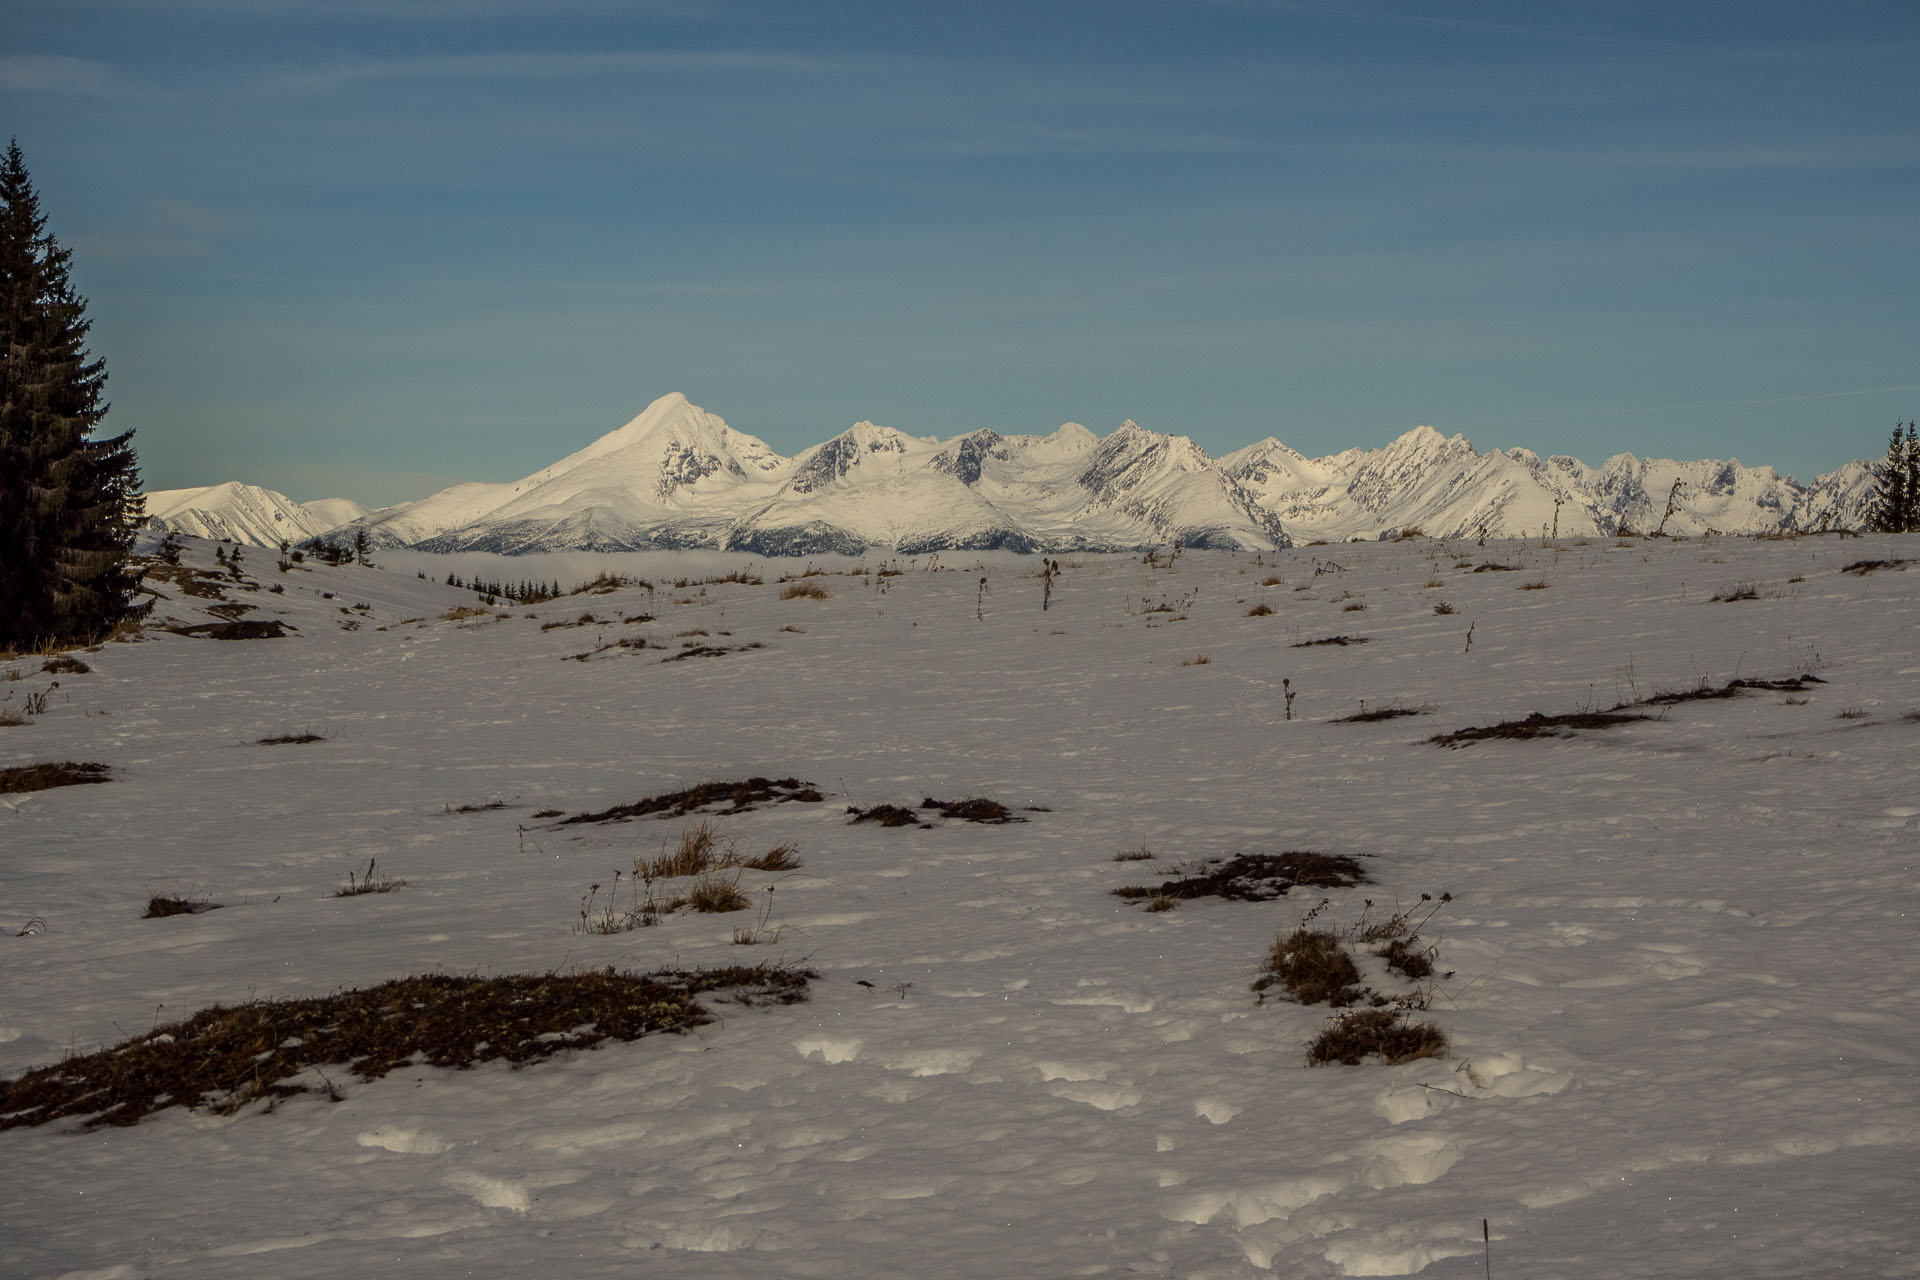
(964, 458)
(246, 513)
(859, 446)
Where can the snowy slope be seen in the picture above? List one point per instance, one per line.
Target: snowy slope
(1676, 968)
(246, 513)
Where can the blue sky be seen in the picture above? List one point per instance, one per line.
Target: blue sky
(370, 247)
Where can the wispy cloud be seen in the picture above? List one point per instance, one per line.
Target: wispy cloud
(1014, 140)
(567, 65)
(1625, 411)
(162, 228)
(56, 73)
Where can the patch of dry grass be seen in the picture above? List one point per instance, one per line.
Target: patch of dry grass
(224, 1058)
(51, 774)
(1386, 1032)
(1369, 715)
(738, 797)
(161, 905)
(1252, 877)
(1535, 725)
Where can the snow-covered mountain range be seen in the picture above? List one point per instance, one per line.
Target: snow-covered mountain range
(677, 476)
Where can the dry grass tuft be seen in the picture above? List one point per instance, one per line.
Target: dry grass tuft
(805, 590)
(1197, 660)
(1313, 967)
(223, 1058)
(782, 857)
(65, 664)
(696, 852)
(1386, 1032)
(45, 777)
(1262, 610)
(371, 882)
(1341, 641)
(717, 892)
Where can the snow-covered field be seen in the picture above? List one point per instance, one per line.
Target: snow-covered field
(1682, 951)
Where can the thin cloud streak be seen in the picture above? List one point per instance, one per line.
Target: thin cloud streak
(1630, 411)
(569, 65)
(57, 73)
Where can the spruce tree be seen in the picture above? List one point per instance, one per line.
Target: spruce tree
(1896, 491)
(69, 502)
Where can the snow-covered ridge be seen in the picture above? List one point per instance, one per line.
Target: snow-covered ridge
(247, 513)
(679, 477)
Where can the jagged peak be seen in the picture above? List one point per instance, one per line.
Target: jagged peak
(1425, 439)
(829, 463)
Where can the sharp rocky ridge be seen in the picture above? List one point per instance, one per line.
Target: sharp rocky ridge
(678, 477)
